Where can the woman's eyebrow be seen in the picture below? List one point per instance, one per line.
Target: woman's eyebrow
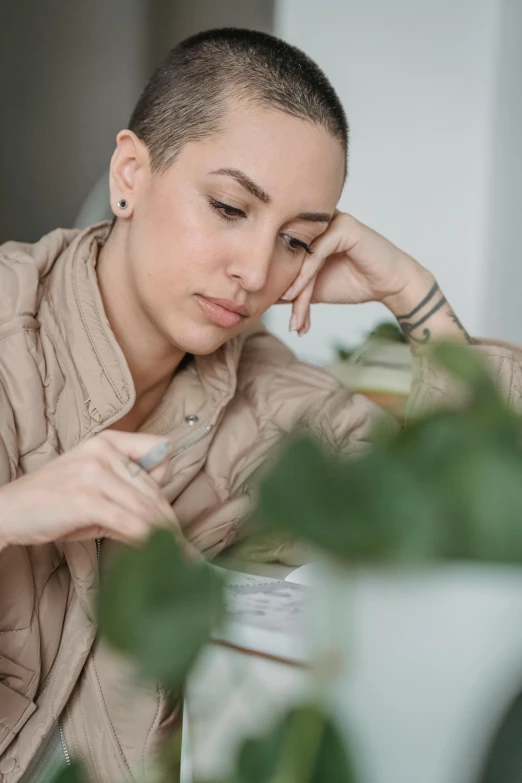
(257, 191)
(246, 182)
(315, 217)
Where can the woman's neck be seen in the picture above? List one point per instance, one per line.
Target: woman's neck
(152, 360)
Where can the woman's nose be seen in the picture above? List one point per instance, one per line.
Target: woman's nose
(251, 268)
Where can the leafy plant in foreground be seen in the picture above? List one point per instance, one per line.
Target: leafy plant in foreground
(159, 608)
(446, 487)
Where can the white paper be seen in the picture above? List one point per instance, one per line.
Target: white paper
(304, 575)
(268, 616)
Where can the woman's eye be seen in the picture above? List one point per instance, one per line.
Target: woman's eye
(296, 245)
(226, 211)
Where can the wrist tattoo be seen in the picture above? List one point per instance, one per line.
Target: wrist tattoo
(456, 320)
(432, 303)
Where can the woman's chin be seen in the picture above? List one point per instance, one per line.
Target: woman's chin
(202, 342)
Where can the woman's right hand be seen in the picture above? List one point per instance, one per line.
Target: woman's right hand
(96, 490)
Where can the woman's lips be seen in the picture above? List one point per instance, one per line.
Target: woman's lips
(218, 314)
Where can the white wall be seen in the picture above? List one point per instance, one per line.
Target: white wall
(503, 290)
(416, 78)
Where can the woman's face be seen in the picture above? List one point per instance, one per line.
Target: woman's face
(216, 240)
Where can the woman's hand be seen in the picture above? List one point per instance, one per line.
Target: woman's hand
(96, 490)
(352, 264)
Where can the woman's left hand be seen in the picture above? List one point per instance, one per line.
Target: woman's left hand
(352, 264)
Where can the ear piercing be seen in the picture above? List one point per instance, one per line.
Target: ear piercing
(123, 203)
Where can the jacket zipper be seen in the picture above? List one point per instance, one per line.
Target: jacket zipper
(60, 722)
(187, 445)
(192, 442)
(64, 744)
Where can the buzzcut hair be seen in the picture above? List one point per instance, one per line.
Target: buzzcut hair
(186, 97)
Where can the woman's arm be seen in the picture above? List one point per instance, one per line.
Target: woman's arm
(352, 264)
(424, 314)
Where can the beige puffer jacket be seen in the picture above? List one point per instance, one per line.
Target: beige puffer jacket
(63, 378)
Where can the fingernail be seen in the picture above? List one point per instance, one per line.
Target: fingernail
(293, 323)
(287, 294)
(156, 455)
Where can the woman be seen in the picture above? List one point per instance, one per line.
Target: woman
(130, 336)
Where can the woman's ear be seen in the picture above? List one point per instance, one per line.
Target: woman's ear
(129, 173)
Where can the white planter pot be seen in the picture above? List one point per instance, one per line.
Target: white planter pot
(430, 660)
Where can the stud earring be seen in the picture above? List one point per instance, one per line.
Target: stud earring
(123, 203)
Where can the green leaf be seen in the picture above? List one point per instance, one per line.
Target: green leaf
(304, 487)
(159, 608)
(363, 509)
(71, 774)
(303, 747)
(389, 330)
(342, 353)
(258, 758)
(447, 486)
(491, 506)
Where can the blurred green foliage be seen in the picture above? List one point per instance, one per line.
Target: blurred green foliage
(303, 747)
(159, 608)
(389, 330)
(386, 330)
(71, 774)
(448, 486)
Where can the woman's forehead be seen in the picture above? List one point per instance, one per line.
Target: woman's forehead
(279, 153)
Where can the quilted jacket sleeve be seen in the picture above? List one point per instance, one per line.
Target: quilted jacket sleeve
(287, 394)
(8, 449)
(292, 392)
(432, 386)
(284, 394)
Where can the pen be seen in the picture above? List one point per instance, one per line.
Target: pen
(156, 455)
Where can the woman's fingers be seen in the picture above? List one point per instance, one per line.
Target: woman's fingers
(311, 266)
(305, 328)
(125, 483)
(301, 290)
(307, 325)
(301, 309)
(125, 451)
(328, 243)
(119, 523)
(129, 473)
(134, 444)
(96, 486)
(152, 450)
(131, 497)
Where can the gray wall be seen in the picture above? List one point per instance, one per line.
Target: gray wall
(70, 73)
(173, 21)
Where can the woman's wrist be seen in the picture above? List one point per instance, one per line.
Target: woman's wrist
(423, 311)
(405, 301)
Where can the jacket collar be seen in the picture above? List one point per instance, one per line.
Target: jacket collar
(99, 380)
(84, 336)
